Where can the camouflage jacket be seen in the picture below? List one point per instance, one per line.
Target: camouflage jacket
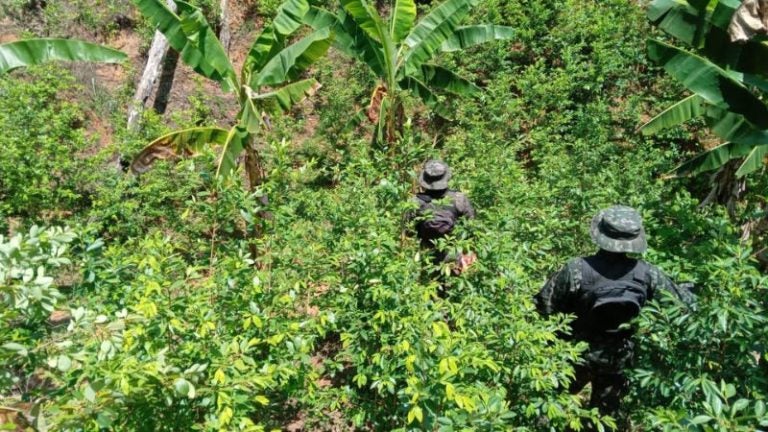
(458, 200)
(562, 290)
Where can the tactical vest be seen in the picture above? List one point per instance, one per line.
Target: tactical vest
(435, 220)
(604, 304)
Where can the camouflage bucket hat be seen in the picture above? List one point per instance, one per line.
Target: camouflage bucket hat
(619, 229)
(435, 175)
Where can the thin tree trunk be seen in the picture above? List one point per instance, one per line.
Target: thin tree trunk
(149, 76)
(224, 35)
(166, 81)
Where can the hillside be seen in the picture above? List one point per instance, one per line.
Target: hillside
(179, 299)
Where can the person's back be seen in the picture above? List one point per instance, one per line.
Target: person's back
(438, 210)
(605, 291)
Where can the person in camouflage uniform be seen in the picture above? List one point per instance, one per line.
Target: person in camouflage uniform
(617, 231)
(439, 208)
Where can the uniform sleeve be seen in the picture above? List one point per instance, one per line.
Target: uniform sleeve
(558, 293)
(660, 281)
(464, 206)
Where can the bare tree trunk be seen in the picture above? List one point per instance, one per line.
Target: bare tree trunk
(166, 81)
(224, 35)
(149, 76)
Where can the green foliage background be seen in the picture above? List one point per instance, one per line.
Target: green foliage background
(337, 325)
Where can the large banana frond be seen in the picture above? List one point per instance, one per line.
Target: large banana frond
(434, 76)
(366, 17)
(264, 48)
(467, 36)
(754, 161)
(290, 16)
(733, 127)
(191, 35)
(679, 113)
(234, 143)
(679, 19)
(431, 31)
(349, 37)
(427, 96)
(290, 62)
(30, 52)
(180, 143)
(403, 17)
(704, 27)
(711, 159)
(709, 81)
(283, 99)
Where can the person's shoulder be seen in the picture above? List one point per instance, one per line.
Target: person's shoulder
(649, 267)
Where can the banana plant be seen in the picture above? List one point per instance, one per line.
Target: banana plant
(269, 83)
(24, 53)
(398, 50)
(727, 82)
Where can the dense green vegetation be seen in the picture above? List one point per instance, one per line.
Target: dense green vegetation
(169, 314)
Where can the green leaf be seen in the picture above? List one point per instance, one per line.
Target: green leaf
(709, 81)
(290, 62)
(678, 19)
(415, 414)
(739, 405)
(711, 159)
(184, 387)
(349, 37)
(431, 31)
(290, 16)
(426, 95)
(233, 146)
(282, 100)
(190, 34)
(366, 17)
(759, 409)
(688, 108)
(734, 127)
(467, 36)
(439, 77)
(15, 347)
(264, 48)
(89, 393)
(30, 52)
(181, 143)
(754, 161)
(701, 419)
(403, 17)
(63, 363)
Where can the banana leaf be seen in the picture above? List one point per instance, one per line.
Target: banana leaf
(180, 143)
(234, 143)
(754, 161)
(679, 113)
(290, 62)
(290, 16)
(734, 127)
(467, 36)
(427, 96)
(709, 81)
(366, 17)
(349, 37)
(264, 48)
(439, 77)
(282, 100)
(30, 52)
(428, 35)
(711, 159)
(403, 17)
(191, 35)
